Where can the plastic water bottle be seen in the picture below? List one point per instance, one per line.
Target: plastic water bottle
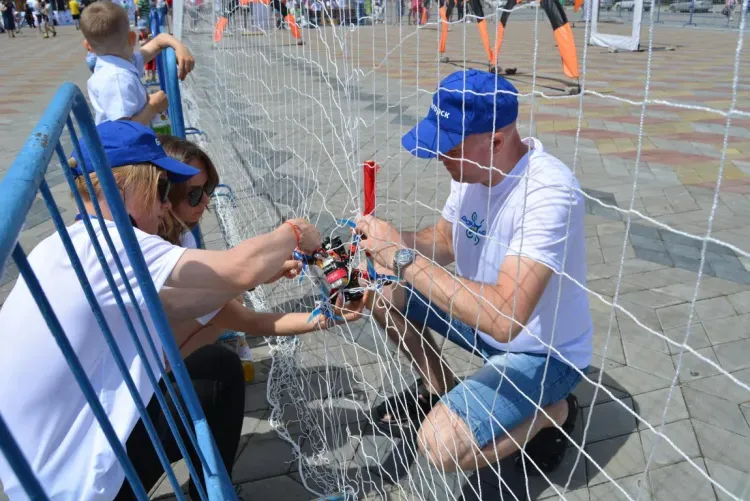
(237, 342)
(161, 124)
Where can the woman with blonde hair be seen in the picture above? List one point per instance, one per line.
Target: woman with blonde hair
(189, 199)
(48, 415)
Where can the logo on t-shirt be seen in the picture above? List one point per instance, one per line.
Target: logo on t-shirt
(473, 229)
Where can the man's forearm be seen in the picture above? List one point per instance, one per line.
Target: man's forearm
(429, 242)
(480, 306)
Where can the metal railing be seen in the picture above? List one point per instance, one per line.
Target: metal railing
(24, 181)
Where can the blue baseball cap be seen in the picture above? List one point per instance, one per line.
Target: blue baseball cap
(466, 102)
(128, 143)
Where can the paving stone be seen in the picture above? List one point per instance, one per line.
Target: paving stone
(681, 481)
(696, 338)
(275, 488)
(653, 362)
(723, 446)
(255, 398)
(260, 459)
(740, 301)
(609, 419)
(585, 390)
(650, 407)
(691, 367)
(734, 481)
(680, 433)
(715, 308)
(633, 333)
(635, 487)
(675, 316)
(721, 385)
(725, 330)
(634, 381)
(618, 457)
(734, 356)
(651, 298)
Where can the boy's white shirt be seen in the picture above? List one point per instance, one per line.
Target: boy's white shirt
(115, 89)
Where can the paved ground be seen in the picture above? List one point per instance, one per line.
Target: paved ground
(290, 127)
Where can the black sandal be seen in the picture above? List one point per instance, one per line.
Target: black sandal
(547, 448)
(407, 410)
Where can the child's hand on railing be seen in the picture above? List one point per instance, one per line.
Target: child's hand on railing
(185, 61)
(158, 101)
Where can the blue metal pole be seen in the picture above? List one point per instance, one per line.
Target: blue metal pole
(218, 484)
(176, 116)
(155, 30)
(18, 463)
(658, 10)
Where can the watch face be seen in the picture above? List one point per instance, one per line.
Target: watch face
(404, 257)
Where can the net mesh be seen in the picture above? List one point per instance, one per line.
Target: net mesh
(290, 126)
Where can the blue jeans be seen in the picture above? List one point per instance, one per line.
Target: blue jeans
(505, 392)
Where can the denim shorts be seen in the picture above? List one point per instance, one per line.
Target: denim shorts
(505, 392)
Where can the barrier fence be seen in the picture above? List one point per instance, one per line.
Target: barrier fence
(25, 180)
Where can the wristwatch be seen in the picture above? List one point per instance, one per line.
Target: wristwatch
(401, 259)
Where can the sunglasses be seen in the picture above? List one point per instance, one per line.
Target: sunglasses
(195, 195)
(163, 189)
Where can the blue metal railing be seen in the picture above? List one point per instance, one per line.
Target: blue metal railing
(23, 182)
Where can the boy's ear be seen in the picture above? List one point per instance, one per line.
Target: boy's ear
(87, 45)
(132, 38)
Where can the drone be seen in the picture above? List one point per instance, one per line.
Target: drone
(335, 262)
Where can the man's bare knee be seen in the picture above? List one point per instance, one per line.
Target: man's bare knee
(445, 439)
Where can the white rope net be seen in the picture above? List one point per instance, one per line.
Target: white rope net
(664, 403)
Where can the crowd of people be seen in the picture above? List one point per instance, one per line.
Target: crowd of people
(512, 226)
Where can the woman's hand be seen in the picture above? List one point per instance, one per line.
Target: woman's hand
(307, 235)
(290, 269)
(349, 312)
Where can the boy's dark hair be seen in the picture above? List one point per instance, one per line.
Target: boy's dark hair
(106, 27)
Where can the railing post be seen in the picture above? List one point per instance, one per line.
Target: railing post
(176, 116)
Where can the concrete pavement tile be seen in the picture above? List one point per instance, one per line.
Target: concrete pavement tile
(696, 338)
(725, 330)
(692, 367)
(734, 481)
(740, 301)
(653, 362)
(634, 487)
(280, 487)
(680, 433)
(618, 457)
(681, 481)
(734, 356)
(715, 308)
(650, 407)
(722, 386)
(631, 332)
(722, 446)
(716, 411)
(609, 419)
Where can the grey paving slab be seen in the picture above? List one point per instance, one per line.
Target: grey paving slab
(681, 481)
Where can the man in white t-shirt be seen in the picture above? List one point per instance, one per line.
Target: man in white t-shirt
(513, 226)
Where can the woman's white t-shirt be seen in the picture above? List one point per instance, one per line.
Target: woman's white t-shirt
(187, 240)
(39, 398)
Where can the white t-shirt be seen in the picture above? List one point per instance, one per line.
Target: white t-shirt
(187, 240)
(115, 88)
(39, 397)
(490, 223)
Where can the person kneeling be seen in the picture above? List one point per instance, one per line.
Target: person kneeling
(513, 226)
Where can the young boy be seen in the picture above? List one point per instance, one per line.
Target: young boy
(115, 89)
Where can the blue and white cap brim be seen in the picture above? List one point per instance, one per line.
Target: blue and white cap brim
(427, 140)
(176, 170)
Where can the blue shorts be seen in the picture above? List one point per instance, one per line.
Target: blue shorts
(505, 392)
